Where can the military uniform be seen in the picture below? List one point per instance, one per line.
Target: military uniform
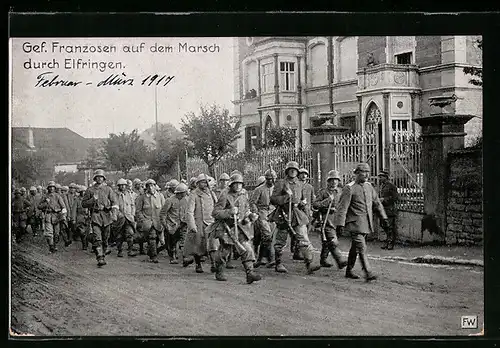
(355, 211)
(82, 221)
(389, 196)
(55, 210)
(148, 207)
(308, 194)
(125, 223)
(102, 216)
(173, 218)
(20, 208)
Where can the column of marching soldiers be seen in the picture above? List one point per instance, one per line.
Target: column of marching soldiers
(216, 222)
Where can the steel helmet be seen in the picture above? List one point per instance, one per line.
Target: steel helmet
(236, 178)
(65, 188)
(39, 187)
(333, 174)
(136, 181)
(17, 191)
(150, 182)
(58, 186)
(362, 167)
(83, 188)
(181, 188)
(261, 180)
(72, 185)
(236, 172)
(192, 180)
(270, 174)
(51, 183)
(304, 170)
(121, 182)
(174, 183)
(129, 182)
(224, 176)
(292, 165)
(32, 188)
(23, 189)
(202, 177)
(99, 172)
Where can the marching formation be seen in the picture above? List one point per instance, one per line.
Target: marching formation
(205, 221)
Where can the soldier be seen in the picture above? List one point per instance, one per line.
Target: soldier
(291, 216)
(173, 219)
(82, 217)
(326, 203)
(52, 205)
(232, 226)
(260, 203)
(223, 181)
(148, 207)
(39, 189)
(355, 213)
(70, 201)
(34, 212)
(138, 189)
(125, 223)
(310, 198)
(58, 189)
(20, 208)
(23, 192)
(170, 188)
(198, 217)
(389, 196)
(103, 205)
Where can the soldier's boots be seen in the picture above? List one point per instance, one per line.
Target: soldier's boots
(279, 267)
(296, 253)
(251, 275)
(153, 259)
(385, 245)
(100, 256)
(141, 248)
(219, 272)
(369, 276)
(187, 262)
(107, 250)
(351, 261)
(229, 263)
(324, 256)
(213, 266)
(351, 275)
(198, 268)
(390, 246)
(309, 261)
(173, 258)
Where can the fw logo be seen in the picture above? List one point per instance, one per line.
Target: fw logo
(468, 322)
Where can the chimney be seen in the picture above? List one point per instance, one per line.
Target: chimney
(31, 141)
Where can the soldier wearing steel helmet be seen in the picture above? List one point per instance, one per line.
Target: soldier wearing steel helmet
(233, 227)
(125, 223)
(20, 207)
(70, 201)
(53, 206)
(33, 212)
(291, 217)
(223, 181)
(326, 204)
(388, 193)
(354, 212)
(148, 207)
(173, 219)
(260, 203)
(82, 218)
(198, 217)
(103, 205)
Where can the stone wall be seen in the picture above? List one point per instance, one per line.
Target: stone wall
(464, 215)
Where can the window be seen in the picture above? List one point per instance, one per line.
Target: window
(252, 138)
(404, 58)
(318, 66)
(400, 125)
(287, 76)
(267, 78)
(348, 58)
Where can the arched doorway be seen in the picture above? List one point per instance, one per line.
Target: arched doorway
(373, 127)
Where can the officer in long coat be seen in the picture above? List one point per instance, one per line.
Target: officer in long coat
(20, 207)
(326, 203)
(53, 207)
(389, 196)
(232, 227)
(291, 217)
(172, 216)
(148, 207)
(125, 223)
(260, 203)
(355, 213)
(199, 216)
(103, 205)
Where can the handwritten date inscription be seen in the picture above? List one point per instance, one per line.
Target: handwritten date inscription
(49, 79)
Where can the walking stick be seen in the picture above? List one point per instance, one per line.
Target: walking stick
(323, 236)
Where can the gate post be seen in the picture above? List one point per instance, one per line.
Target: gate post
(322, 145)
(441, 132)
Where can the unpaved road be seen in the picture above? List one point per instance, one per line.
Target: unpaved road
(66, 294)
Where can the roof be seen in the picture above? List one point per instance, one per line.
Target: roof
(61, 144)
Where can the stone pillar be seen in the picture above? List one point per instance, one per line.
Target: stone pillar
(441, 133)
(299, 101)
(387, 134)
(323, 151)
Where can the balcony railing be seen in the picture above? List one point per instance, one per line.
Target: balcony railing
(388, 76)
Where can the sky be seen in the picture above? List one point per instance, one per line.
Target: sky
(94, 112)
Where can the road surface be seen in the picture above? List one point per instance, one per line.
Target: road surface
(66, 294)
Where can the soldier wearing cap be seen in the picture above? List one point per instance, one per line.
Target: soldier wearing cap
(355, 213)
(233, 226)
(148, 207)
(329, 198)
(198, 217)
(103, 205)
(82, 218)
(125, 223)
(173, 218)
(20, 207)
(291, 217)
(260, 203)
(53, 206)
(34, 214)
(388, 193)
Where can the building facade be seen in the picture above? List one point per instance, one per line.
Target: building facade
(370, 83)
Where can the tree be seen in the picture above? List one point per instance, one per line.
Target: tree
(280, 136)
(125, 151)
(27, 168)
(95, 157)
(212, 133)
(475, 72)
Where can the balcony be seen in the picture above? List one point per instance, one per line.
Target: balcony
(390, 76)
